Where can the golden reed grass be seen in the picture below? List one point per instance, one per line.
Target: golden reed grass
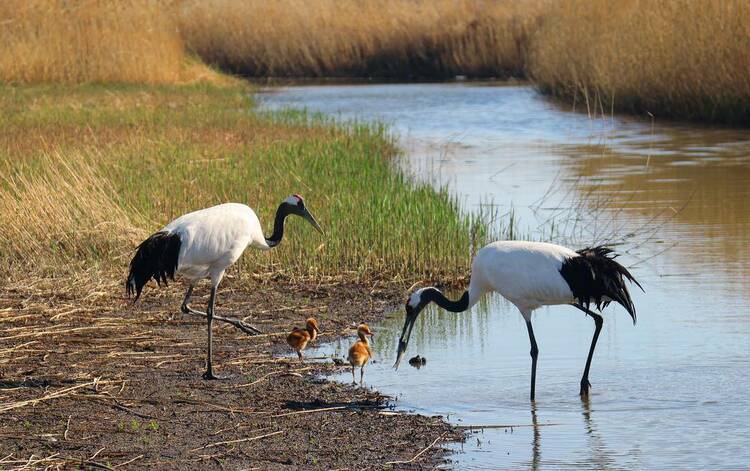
(60, 211)
(82, 41)
(380, 38)
(131, 41)
(679, 58)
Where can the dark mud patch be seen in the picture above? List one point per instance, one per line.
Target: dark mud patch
(94, 381)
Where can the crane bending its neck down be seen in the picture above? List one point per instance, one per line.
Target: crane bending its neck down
(531, 275)
(419, 300)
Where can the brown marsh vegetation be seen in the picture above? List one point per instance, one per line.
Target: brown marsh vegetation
(381, 38)
(89, 41)
(676, 58)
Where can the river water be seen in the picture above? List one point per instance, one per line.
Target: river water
(672, 391)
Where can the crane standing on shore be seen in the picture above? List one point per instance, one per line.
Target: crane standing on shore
(203, 244)
(531, 275)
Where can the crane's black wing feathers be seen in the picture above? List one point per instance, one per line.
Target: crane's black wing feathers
(156, 257)
(595, 277)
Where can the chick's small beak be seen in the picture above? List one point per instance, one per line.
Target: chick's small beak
(309, 218)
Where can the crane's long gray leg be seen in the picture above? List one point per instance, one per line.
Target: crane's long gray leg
(209, 374)
(534, 354)
(243, 326)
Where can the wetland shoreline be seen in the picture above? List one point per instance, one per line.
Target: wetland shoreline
(130, 390)
(89, 379)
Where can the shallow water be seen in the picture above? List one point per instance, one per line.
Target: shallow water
(672, 391)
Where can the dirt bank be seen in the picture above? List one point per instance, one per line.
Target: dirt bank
(95, 381)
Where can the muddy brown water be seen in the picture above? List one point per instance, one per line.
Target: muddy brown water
(672, 391)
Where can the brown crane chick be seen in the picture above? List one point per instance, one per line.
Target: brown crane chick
(299, 338)
(360, 353)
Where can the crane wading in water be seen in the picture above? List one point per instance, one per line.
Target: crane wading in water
(203, 244)
(531, 275)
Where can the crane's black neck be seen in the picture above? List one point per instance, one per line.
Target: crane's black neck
(434, 295)
(284, 210)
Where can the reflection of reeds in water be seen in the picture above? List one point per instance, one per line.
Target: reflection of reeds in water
(692, 192)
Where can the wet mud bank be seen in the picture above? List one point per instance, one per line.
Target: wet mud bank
(100, 382)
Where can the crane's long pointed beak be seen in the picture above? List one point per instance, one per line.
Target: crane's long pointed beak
(309, 218)
(401, 350)
(403, 342)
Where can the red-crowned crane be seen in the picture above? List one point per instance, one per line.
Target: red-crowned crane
(203, 244)
(531, 275)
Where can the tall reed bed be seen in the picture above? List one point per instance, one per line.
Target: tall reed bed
(89, 40)
(90, 171)
(678, 58)
(345, 38)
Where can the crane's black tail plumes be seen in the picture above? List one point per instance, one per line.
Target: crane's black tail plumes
(155, 258)
(596, 277)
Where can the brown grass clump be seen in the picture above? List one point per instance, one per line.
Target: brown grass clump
(385, 38)
(677, 58)
(61, 212)
(88, 40)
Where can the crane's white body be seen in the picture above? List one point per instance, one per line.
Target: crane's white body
(531, 275)
(214, 238)
(525, 273)
(204, 244)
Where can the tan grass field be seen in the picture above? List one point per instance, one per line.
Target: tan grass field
(677, 58)
(381, 38)
(88, 40)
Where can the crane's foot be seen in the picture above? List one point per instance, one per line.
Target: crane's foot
(210, 376)
(242, 325)
(585, 386)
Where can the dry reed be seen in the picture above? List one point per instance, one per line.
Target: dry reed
(383, 38)
(130, 41)
(677, 58)
(59, 212)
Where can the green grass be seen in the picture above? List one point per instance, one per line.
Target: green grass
(90, 170)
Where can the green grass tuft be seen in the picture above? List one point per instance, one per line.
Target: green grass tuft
(93, 169)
